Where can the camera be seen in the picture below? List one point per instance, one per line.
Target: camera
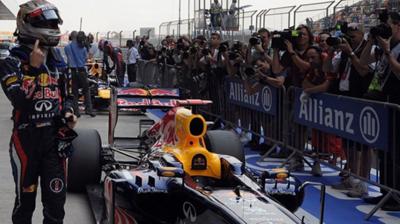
(342, 27)
(235, 50)
(334, 41)
(382, 30)
(223, 47)
(199, 78)
(250, 71)
(180, 46)
(193, 50)
(279, 37)
(205, 51)
(233, 55)
(255, 40)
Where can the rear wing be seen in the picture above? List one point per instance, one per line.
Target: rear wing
(135, 99)
(139, 98)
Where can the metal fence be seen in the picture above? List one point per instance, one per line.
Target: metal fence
(318, 15)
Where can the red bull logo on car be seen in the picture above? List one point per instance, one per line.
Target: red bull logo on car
(164, 92)
(133, 92)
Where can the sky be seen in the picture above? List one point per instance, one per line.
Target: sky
(128, 15)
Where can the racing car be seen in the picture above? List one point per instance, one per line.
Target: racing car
(99, 85)
(177, 171)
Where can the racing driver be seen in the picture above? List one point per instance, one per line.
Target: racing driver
(43, 115)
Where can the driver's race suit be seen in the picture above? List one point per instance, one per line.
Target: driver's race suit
(39, 97)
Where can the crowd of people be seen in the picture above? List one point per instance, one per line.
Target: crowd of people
(345, 60)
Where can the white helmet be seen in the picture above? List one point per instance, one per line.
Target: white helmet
(38, 20)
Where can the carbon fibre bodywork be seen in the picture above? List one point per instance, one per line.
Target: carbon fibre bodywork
(143, 195)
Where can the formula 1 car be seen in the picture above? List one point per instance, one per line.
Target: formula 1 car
(99, 86)
(177, 172)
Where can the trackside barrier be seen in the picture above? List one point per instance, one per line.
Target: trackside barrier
(148, 72)
(351, 128)
(258, 112)
(162, 75)
(340, 128)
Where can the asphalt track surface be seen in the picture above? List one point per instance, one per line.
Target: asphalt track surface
(77, 207)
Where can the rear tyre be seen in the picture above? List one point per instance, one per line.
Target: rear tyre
(84, 167)
(226, 143)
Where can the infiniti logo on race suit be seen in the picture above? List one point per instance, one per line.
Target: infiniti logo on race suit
(266, 98)
(369, 124)
(43, 106)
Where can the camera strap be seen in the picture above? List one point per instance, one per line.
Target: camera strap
(344, 84)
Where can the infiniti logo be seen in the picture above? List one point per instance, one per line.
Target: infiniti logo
(43, 106)
(189, 211)
(369, 124)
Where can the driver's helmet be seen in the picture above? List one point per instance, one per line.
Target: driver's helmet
(38, 20)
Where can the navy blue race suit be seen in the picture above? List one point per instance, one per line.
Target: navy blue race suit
(40, 98)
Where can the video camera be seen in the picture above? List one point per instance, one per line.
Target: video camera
(223, 47)
(279, 37)
(235, 50)
(383, 29)
(249, 72)
(341, 30)
(255, 40)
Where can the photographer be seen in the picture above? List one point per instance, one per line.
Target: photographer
(263, 75)
(293, 58)
(214, 57)
(385, 87)
(259, 46)
(235, 58)
(318, 81)
(353, 78)
(294, 45)
(321, 40)
(77, 55)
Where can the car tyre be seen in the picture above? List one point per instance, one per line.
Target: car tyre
(84, 167)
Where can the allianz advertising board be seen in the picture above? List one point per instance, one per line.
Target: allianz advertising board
(362, 122)
(264, 100)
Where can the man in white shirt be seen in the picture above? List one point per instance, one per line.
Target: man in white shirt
(133, 56)
(94, 52)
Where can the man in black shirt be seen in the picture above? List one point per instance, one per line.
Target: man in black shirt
(352, 81)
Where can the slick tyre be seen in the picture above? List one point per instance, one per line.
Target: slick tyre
(84, 167)
(226, 143)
